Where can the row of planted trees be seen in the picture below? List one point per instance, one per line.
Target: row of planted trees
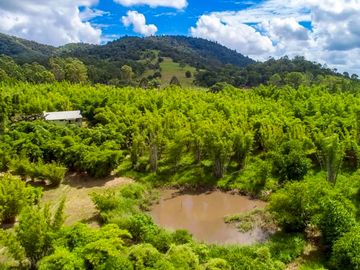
(172, 130)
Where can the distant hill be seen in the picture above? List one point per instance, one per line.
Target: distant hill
(191, 60)
(25, 51)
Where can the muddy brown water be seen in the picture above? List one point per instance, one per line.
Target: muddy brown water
(203, 215)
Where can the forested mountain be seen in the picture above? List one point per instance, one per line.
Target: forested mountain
(25, 51)
(158, 61)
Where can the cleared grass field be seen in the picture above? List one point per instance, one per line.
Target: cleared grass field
(169, 69)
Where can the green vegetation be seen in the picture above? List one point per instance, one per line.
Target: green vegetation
(294, 143)
(169, 70)
(257, 218)
(132, 61)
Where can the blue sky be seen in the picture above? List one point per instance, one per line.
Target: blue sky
(326, 31)
(170, 21)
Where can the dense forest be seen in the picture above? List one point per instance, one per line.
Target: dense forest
(294, 144)
(154, 61)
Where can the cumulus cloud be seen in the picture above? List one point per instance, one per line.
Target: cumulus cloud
(334, 37)
(48, 21)
(138, 21)
(285, 29)
(178, 4)
(237, 36)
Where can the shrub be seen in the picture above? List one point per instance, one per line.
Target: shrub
(98, 252)
(144, 256)
(217, 264)
(296, 204)
(141, 228)
(286, 247)
(336, 218)
(290, 162)
(101, 163)
(14, 196)
(183, 257)
(118, 263)
(346, 251)
(181, 237)
(61, 259)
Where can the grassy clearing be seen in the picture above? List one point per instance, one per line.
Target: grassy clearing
(77, 190)
(169, 69)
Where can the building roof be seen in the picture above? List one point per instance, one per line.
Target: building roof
(65, 115)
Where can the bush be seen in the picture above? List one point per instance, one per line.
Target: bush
(52, 172)
(181, 237)
(144, 256)
(290, 162)
(61, 259)
(296, 204)
(133, 191)
(346, 251)
(217, 264)
(101, 163)
(336, 218)
(182, 257)
(254, 258)
(286, 247)
(141, 228)
(118, 263)
(98, 252)
(14, 196)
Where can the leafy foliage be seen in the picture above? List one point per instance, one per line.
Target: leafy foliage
(14, 196)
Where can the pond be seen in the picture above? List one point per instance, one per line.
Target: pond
(202, 214)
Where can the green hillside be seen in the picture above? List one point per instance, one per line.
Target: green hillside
(153, 62)
(169, 69)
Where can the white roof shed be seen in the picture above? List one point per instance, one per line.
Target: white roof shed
(62, 116)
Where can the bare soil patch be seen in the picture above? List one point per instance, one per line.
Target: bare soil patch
(77, 189)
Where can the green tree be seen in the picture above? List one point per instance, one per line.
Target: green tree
(57, 67)
(331, 156)
(295, 79)
(175, 81)
(127, 74)
(242, 146)
(36, 230)
(275, 80)
(290, 161)
(3, 75)
(75, 71)
(154, 84)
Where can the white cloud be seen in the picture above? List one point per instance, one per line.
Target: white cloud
(285, 29)
(48, 21)
(138, 21)
(178, 4)
(88, 14)
(240, 37)
(333, 39)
